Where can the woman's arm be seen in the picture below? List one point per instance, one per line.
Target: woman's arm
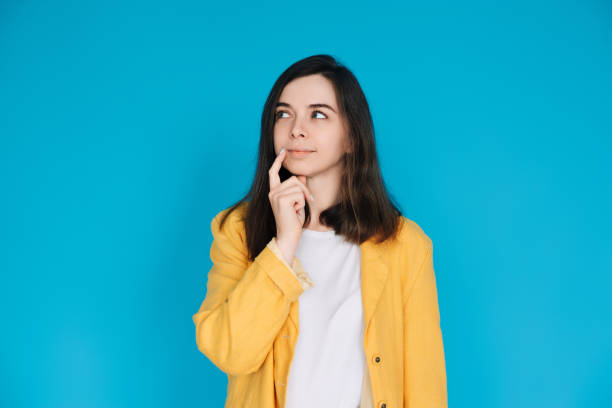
(245, 305)
(424, 365)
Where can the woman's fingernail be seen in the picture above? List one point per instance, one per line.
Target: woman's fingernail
(311, 197)
(282, 150)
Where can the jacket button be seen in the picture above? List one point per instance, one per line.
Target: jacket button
(377, 358)
(382, 405)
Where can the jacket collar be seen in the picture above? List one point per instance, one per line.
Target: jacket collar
(374, 274)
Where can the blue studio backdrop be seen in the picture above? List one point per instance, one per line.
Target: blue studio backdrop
(126, 126)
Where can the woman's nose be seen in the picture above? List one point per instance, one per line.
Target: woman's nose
(298, 129)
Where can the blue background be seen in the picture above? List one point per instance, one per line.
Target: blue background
(126, 126)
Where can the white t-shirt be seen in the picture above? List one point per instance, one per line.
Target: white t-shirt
(328, 364)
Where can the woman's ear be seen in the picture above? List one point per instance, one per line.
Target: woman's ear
(348, 143)
(348, 146)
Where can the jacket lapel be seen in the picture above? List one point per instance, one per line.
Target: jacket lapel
(374, 273)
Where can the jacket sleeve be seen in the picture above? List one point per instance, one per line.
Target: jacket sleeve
(295, 267)
(246, 303)
(424, 364)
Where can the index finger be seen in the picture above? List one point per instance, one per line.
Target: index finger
(274, 169)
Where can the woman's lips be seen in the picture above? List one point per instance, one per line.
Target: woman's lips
(299, 153)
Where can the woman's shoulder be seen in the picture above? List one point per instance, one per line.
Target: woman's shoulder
(410, 249)
(231, 217)
(412, 235)
(236, 214)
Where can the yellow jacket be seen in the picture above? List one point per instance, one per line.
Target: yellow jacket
(248, 323)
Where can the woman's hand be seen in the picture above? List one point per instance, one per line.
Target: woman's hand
(288, 201)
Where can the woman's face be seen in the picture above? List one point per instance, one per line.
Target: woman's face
(318, 129)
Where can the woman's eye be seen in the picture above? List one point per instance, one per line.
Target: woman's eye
(279, 113)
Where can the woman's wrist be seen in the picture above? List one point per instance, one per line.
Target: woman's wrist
(287, 249)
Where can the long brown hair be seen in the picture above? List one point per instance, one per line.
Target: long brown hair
(365, 208)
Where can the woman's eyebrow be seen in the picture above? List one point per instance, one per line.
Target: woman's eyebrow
(313, 105)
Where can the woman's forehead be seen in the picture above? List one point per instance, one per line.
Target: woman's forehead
(311, 89)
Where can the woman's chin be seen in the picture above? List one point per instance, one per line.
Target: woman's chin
(297, 170)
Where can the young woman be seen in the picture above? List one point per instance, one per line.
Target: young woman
(321, 293)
